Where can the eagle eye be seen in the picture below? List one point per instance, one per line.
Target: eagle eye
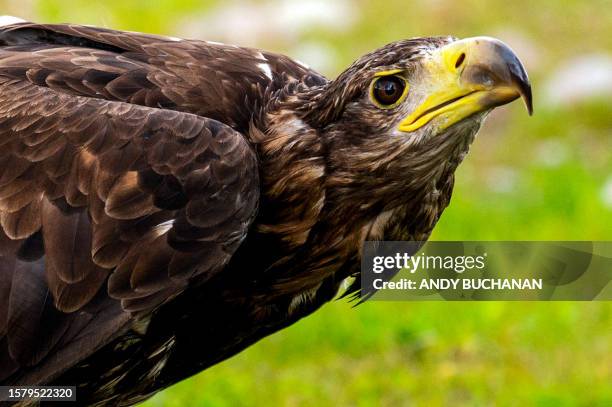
(387, 91)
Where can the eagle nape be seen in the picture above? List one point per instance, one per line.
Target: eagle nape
(166, 203)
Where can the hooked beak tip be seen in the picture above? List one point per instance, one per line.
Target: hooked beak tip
(528, 100)
(524, 89)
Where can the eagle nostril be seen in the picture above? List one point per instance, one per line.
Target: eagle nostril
(460, 60)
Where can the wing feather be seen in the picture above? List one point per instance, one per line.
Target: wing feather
(90, 193)
(222, 82)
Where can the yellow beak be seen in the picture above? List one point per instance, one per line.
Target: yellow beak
(469, 76)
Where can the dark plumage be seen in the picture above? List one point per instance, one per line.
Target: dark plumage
(164, 204)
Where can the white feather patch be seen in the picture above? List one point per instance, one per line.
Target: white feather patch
(215, 43)
(302, 64)
(293, 124)
(266, 69)
(163, 227)
(8, 20)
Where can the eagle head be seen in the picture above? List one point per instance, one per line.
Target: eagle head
(399, 120)
(419, 88)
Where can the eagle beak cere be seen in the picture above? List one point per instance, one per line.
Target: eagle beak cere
(469, 76)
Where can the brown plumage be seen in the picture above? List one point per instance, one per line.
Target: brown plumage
(164, 203)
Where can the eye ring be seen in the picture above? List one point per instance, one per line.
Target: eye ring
(388, 91)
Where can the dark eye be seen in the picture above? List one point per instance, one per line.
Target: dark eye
(388, 90)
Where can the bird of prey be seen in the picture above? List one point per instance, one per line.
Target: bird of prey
(165, 203)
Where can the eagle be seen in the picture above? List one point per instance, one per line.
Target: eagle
(165, 202)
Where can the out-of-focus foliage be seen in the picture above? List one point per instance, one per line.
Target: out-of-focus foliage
(527, 178)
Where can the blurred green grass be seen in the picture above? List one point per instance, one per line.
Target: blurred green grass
(394, 354)
(526, 178)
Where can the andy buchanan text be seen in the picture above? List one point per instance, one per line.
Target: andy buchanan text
(465, 284)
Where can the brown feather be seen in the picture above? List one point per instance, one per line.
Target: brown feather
(24, 222)
(126, 200)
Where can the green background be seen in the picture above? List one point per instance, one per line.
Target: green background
(546, 177)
